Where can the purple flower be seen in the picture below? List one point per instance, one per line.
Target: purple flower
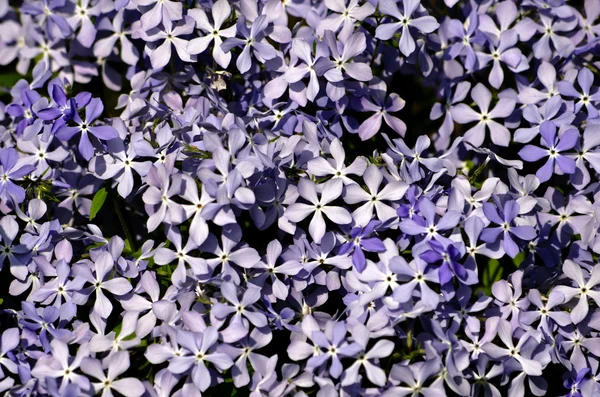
(116, 364)
(198, 350)
(575, 384)
(214, 32)
(554, 147)
(464, 114)
(425, 24)
(164, 11)
(101, 280)
(588, 97)
(447, 258)
(512, 351)
(382, 106)
(334, 347)
(92, 111)
(581, 287)
(160, 54)
(253, 40)
(427, 223)
(331, 190)
(505, 218)
(359, 241)
(8, 189)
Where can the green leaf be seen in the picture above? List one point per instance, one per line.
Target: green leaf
(519, 259)
(491, 273)
(98, 202)
(9, 79)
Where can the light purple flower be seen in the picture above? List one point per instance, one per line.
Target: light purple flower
(318, 206)
(485, 118)
(214, 32)
(92, 111)
(555, 145)
(116, 364)
(425, 24)
(582, 288)
(505, 218)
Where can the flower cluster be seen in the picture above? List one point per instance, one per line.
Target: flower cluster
(292, 198)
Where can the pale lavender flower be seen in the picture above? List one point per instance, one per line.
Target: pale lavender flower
(581, 288)
(382, 105)
(335, 347)
(82, 19)
(331, 190)
(374, 198)
(551, 28)
(253, 41)
(239, 308)
(342, 54)
(382, 349)
(165, 11)
(104, 47)
(245, 354)
(214, 32)
(61, 365)
(413, 378)
(160, 54)
(198, 350)
(321, 166)
(345, 15)
(116, 364)
(232, 252)
(101, 280)
(512, 351)
(8, 170)
(181, 254)
(485, 118)
(159, 195)
(425, 24)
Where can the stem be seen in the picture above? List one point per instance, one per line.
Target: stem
(128, 236)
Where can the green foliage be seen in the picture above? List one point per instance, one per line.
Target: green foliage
(491, 273)
(98, 202)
